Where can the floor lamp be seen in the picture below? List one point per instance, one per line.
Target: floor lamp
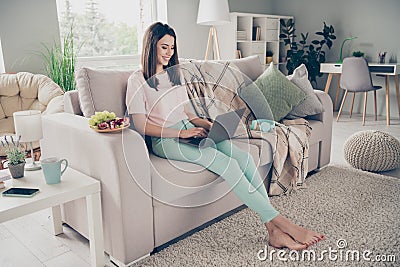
(213, 13)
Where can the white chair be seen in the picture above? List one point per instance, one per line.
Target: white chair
(356, 77)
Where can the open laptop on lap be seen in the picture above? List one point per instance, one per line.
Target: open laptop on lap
(223, 128)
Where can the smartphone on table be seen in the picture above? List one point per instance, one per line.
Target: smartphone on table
(20, 192)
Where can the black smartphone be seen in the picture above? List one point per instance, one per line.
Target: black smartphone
(20, 192)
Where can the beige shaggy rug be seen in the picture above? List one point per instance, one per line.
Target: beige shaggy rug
(357, 211)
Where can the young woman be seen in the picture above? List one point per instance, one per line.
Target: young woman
(156, 99)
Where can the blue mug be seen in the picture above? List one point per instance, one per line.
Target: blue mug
(52, 169)
(262, 125)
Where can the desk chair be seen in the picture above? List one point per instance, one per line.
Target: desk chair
(355, 78)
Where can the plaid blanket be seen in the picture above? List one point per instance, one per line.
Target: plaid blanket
(213, 89)
(290, 166)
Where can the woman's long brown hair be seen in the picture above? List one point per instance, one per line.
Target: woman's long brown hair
(153, 34)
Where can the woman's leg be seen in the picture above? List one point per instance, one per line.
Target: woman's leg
(283, 224)
(282, 232)
(222, 165)
(246, 163)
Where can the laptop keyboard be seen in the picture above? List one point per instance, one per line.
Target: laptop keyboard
(195, 141)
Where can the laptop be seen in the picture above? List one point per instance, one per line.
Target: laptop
(223, 128)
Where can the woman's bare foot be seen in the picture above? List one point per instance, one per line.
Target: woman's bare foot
(279, 239)
(297, 232)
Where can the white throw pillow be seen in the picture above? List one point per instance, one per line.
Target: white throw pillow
(311, 104)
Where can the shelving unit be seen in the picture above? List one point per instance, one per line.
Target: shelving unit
(238, 35)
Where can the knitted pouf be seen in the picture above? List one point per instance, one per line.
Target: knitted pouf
(372, 151)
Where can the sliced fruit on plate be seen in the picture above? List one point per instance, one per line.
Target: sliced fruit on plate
(106, 120)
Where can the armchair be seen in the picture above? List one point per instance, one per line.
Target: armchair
(25, 91)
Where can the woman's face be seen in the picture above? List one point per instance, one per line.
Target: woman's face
(165, 49)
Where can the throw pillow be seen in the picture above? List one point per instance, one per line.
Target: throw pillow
(256, 101)
(310, 105)
(101, 90)
(282, 95)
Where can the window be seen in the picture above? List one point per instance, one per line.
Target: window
(106, 33)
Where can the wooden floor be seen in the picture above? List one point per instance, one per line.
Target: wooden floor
(28, 241)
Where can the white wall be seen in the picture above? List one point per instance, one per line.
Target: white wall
(24, 27)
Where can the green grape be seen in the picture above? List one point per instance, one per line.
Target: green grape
(100, 117)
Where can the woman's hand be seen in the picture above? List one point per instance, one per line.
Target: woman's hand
(193, 132)
(209, 125)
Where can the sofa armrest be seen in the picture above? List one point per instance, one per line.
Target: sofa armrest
(120, 161)
(326, 101)
(71, 103)
(326, 118)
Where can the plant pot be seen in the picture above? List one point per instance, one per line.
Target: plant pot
(269, 60)
(17, 171)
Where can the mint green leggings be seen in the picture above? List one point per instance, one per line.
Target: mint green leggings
(225, 159)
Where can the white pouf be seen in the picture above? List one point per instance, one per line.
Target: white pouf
(372, 151)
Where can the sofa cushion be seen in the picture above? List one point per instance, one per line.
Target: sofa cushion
(282, 95)
(310, 105)
(256, 101)
(101, 90)
(250, 67)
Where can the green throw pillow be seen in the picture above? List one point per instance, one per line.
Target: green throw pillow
(282, 95)
(256, 101)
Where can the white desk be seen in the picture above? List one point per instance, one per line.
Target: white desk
(73, 185)
(387, 70)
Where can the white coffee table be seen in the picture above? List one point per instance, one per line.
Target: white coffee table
(74, 185)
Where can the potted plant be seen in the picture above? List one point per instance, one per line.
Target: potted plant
(269, 56)
(311, 55)
(358, 54)
(15, 156)
(59, 62)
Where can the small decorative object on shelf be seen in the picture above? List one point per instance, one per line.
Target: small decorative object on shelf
(238, 54)
(15, 156)
(269, 58)
(381, 57)
(241, 35)
(256, 33)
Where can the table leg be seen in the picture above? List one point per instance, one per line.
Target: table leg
(95, 221)
(57, 223)
(337, 92)
(328, 82)
(387, 100)
(396, 81)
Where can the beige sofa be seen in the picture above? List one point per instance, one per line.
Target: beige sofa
(26, 91)
(141, 208)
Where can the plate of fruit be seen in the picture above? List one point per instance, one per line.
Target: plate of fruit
(107, 122)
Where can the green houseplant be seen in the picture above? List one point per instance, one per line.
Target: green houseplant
(358, 54)
(59, 62)
(310, 54)
(15, 156)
